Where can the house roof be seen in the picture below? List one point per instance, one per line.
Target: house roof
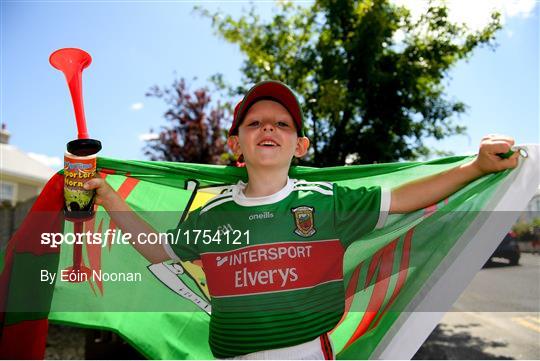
(16, 163)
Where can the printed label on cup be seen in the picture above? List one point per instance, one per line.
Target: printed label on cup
(77, 171)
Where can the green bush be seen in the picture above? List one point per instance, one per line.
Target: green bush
(527, 231)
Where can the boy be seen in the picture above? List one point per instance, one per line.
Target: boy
(276, 283)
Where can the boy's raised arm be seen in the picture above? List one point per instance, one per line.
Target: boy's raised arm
(429, 190)
(127, 220)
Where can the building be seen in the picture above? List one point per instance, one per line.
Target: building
(533, 208)
(21, 176)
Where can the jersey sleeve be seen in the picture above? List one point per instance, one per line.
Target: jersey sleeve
(178, 247)
(358, 211)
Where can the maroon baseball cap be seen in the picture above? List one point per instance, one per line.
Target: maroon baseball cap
(269, 90)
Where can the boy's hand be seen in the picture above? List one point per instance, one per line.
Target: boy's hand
(488, 159)
(105, 195)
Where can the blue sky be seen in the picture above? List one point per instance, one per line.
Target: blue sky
(136, 45)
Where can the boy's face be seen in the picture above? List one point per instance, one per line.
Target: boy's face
(268, 137)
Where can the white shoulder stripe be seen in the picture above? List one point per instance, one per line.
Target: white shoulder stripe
(386, 196)
(303, 182)
(208, 207)
(315, 189)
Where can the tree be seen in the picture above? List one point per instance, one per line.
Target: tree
(194, 133)
(368, 96)
(527, 231)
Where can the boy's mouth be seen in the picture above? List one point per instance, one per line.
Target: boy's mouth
(268, 143)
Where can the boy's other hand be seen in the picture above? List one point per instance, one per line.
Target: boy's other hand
(488, 159)
(105, 195)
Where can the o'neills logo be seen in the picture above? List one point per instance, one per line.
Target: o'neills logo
(303, 218)
(263, 215)
(273, 267)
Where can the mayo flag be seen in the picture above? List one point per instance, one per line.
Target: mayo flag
(399, 280)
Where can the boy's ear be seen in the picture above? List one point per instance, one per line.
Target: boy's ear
(302, 146)
(234, 145)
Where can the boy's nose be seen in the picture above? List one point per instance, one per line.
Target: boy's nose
(268, 127)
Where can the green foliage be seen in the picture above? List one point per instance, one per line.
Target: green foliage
(365, 91)
(528, 231)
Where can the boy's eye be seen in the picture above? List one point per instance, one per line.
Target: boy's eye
(282, 124)
(253, 123)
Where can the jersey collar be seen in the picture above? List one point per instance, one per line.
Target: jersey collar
(240, 198)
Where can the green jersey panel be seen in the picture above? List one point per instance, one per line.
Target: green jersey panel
(359, 211)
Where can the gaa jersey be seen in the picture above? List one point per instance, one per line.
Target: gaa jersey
(274, 264)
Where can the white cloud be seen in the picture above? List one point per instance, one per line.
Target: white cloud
(51, 162)
(137, 106)
(475, 13)
(148, 136)
(523, 8)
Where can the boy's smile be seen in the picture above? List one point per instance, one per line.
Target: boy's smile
(268, 142)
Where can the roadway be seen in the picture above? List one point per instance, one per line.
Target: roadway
(497, 316)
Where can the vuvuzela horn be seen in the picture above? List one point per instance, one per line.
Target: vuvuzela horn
(80, 158)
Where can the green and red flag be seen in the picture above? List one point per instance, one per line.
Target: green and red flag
(399, 280)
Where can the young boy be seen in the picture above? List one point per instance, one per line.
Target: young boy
(277, 282)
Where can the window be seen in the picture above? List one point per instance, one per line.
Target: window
(7, 192)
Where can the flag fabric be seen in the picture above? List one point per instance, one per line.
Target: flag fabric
(24, 334)
(399, 280)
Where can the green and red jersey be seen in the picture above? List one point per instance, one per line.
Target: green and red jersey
(274, 265)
